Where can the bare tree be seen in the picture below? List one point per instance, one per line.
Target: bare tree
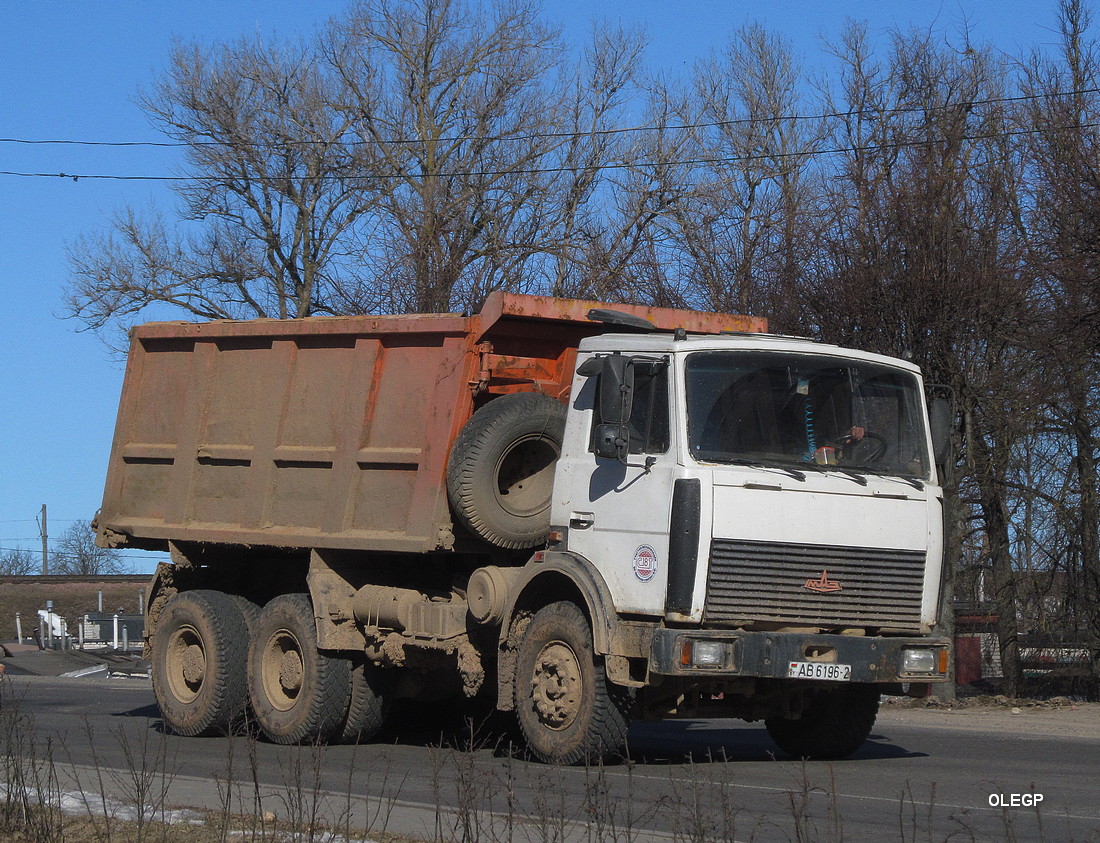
(413, 157)
(589, 225)
(18, 562)
(1063, 112)
(272, 191)
(727, 183)
(484, 142)
(757, 142)
(76, 553)
(923, 258)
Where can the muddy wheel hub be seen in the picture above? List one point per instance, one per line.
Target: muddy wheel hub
(282, 670)
(193, 662)
(185, 664)
(290, 672)
(556, 685)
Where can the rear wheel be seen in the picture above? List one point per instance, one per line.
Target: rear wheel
(366, 707)
(200, 652)
(834, 724)
(298, 693)
(249, 611)
(568, 711)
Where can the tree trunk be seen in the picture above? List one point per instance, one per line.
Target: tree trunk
(1084, 463)
(995, 518)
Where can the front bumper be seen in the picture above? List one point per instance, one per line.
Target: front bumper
(770, 654)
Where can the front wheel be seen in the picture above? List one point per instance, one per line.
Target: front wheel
(834, 723)
(298, 694)
(568, 711)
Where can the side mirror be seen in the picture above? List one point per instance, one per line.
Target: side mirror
(616, 389)
(615, 402)
(941, 419)
(610, 442)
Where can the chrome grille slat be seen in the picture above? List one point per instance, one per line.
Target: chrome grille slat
(765, 581)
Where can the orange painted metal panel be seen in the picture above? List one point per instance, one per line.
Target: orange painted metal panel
(327, 432)
(500, 305)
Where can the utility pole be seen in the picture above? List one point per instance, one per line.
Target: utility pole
(45, 556)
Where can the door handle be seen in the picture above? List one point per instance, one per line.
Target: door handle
(581, 520)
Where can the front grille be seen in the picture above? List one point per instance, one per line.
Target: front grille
(766, 581)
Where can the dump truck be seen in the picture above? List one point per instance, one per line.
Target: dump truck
(578, 512)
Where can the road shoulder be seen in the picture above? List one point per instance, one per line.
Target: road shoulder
(1054, 718)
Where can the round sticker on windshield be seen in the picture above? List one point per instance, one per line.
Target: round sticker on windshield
(645, 563)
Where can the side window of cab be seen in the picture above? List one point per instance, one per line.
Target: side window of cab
(649, 413)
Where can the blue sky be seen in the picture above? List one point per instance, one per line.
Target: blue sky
(69, 70)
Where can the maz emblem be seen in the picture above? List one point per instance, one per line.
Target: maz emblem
(823, 585)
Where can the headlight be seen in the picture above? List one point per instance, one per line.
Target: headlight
(920, 661)
(706, 654)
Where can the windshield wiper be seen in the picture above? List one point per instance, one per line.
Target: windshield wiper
(786, 469)
(847, 472)
(909, 481)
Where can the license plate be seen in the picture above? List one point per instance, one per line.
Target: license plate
(820, 670)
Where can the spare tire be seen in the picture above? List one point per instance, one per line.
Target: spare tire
(500, 477)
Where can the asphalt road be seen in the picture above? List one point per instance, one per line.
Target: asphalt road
(918, 777)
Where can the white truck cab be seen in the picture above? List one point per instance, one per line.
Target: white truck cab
(771, 504)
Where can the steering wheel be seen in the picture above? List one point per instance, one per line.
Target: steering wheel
(878, 446)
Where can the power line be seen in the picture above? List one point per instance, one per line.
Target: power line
(78, 176)
(734, 159)
(856, 112)
(116, 554)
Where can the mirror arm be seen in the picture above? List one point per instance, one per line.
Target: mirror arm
(649, 463)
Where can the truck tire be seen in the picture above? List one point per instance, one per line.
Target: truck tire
(249, 611)
(834, 724)
(298, 694)
(200, 658)
(500, 476)
(568, 710)
(366, 707)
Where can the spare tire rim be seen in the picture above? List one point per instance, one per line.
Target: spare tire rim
(185, 663)
(525, 476)
(557, 685)
(282, 670)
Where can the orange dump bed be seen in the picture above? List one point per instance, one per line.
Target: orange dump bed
(327, 432)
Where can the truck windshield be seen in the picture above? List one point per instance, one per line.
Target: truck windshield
(777, 408)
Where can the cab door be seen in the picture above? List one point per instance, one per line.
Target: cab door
(617, 511)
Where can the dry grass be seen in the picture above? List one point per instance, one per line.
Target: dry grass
(209, 829)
